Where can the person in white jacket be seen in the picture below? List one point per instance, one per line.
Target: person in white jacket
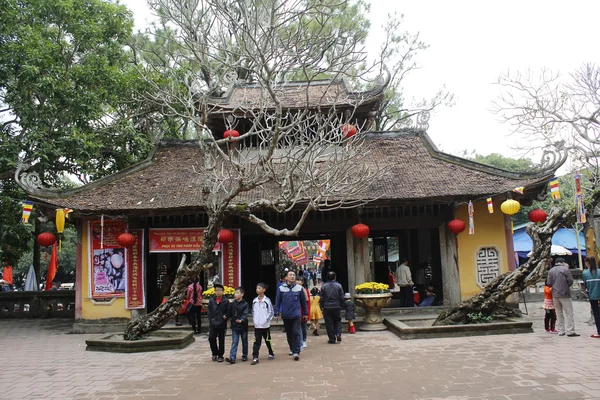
(404, 280)
(262, 314)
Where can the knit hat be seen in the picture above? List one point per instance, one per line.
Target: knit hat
(347, 296)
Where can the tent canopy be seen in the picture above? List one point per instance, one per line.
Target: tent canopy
(563, 237)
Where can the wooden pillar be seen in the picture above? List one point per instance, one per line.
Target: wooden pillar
(350, 261)
(450, 271)
(359, 270)
(510, 246)
(81, 225)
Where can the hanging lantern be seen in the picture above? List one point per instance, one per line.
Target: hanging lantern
(231, 133)
(348, 131)
(360, 231)
(537, 215)
(60, 225)
(225, 236)
(46, 239)
(510, 207)
(456, 226)
(126, 239)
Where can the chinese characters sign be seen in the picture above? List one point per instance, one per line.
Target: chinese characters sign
(107, 259)
(134, 291)
(177, 240)
(230, 261)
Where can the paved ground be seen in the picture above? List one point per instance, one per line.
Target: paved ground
(42, 361)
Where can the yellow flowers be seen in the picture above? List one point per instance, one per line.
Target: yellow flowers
(372, 288)
(210, 293)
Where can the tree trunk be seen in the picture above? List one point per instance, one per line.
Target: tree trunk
(492, 299)
(142, 326)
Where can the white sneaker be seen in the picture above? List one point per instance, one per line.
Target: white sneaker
(304, 345)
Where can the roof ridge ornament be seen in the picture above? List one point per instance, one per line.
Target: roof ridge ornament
(554, 157)
(31, 181)
(423, 120)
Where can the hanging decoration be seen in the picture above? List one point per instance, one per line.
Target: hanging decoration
(225, 236)
(60, 225)
(102, 232)
(360, 231)
(471, 221)
(519, 189)
(348, 131)
(537, 216)
(490, 204)
(46, 239)
(27, 208)
(229, 134)
(510, 207)
(126, 239)
(456, 226)
(554, 190)
(67, 212)
(579, 204)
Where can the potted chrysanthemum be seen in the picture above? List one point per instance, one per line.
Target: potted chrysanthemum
(372, 297)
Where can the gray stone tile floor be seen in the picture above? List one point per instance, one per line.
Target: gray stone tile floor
(41, 360)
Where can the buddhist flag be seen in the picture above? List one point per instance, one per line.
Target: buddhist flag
(580, 207)
(67, 211)
(554, 189)
(27, 207)
(490, 204)
(519, 189)
(52, 268)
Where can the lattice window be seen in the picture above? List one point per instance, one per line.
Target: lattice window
(488, 265)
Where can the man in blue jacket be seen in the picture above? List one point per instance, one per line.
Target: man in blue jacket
(292, 303)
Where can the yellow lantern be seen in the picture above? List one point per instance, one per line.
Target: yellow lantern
(510, 207)
(60, 225)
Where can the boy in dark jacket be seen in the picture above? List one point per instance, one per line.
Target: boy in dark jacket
(217, 318)
(238, 314)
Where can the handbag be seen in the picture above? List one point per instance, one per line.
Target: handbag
(188, 307)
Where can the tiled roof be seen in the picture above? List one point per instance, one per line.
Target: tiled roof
(414, 171)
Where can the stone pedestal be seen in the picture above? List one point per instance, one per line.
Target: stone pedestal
(372, 304)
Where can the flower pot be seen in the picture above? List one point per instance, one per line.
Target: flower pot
(372, 304)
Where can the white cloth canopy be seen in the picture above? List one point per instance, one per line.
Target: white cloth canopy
(30, 282)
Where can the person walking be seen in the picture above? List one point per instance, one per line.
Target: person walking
(292, 300)
(315, 310)
(560, 279)
(332, 302)
(404, 280)
(238, 315)
(350, 312)
(304, 324)
(217, 318)
(550, 317)
(194, 297)
(262, 314)
(591, 280)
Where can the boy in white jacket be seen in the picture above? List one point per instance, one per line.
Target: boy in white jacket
(262, 314)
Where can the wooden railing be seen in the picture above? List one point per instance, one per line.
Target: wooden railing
(50, 304)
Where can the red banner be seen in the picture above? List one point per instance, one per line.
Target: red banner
(230, 260)
(107, 259)
(135, 295)
(177, 240)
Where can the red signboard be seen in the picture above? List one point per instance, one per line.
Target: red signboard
(230, 261)
(135, 295)
(177, 240)
(107, 259)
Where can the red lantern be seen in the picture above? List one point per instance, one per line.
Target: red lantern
(348, 131)
(225, 236)
(46, 239)
(231, 132)
(456, 226)
(537, 215)
(360, 231)
(126, 239)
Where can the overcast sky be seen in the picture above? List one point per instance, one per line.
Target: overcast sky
(471, 43)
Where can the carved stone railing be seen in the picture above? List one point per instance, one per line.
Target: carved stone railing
(50, 304)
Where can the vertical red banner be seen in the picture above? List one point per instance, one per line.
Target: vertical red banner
(230, 260)
(135, 296)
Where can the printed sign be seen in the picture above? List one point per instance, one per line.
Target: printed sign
(177, 240)
(108, 272)
(135, 295)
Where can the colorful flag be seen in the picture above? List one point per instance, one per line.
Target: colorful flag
(578, 190)
(519, 189)
(27, 207)
(7, 275)
(471, 221)
(554, 189)
(490, 204)
(52, 268)
(67, 211)
(580, 206)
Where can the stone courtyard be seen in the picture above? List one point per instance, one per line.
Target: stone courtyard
(43, 361)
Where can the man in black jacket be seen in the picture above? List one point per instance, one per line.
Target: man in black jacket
(217, 317)
(332, 301)
(238, 315)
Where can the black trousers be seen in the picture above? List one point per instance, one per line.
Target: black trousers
(213, 334)
(259, 334)
(596, 312)
(333, 322)
(550, 320)
(406, 296)
(195, 315)
(293, 333)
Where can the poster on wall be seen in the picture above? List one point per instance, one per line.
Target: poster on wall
(231, 262)
(135, 294)
(108, 275)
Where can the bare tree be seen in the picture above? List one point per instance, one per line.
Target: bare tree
(284, 159)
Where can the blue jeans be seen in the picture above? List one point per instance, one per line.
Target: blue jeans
(235, 339)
